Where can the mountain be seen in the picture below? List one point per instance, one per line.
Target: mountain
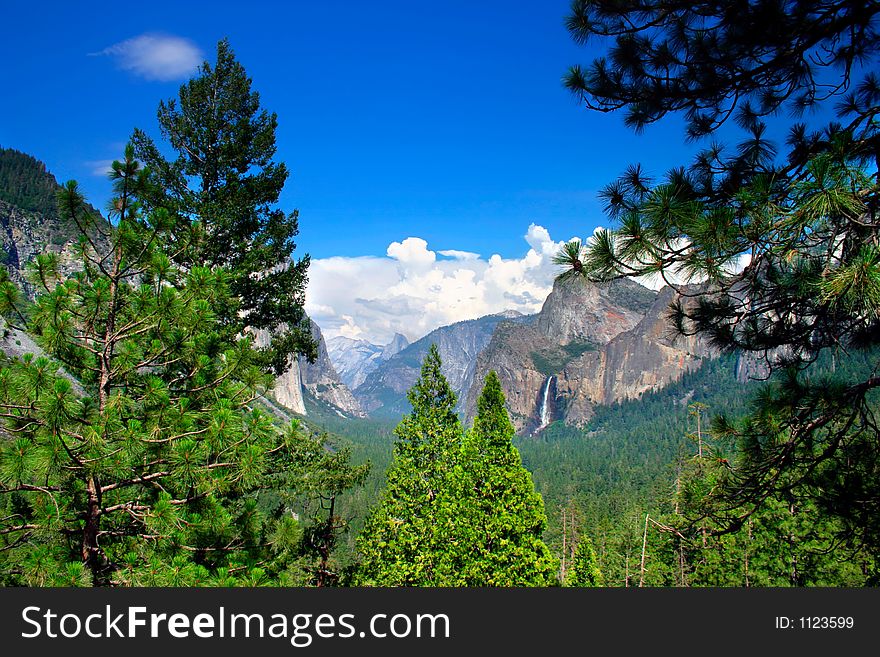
(397, 344)
(591, 344)
(30, 225)
(383, 392)
(355, 359)
(319, 380)
(29, 221)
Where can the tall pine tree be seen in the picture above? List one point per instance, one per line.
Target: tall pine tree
(501, 516)
(785, 242)
(147, 460)
(409, 538)
(224, 186)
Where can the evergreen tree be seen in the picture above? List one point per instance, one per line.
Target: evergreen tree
(223, 186)
(324, 473)
(410, 537)
(805, 225)
(500, 516)
(585, 566)
(710, 60)
(147, 459)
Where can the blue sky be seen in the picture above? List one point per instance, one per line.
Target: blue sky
(443, 122)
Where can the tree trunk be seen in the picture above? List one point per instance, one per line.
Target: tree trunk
(91, 551)
(644, 548)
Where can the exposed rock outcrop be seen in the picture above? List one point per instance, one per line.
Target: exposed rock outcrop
(318, 379)
(323, 382)
(591, 344)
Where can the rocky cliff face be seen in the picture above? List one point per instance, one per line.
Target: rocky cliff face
(384, 390)
(318, 379)
(323, 382)
(591, 344)
(29, 219)
(24, 234)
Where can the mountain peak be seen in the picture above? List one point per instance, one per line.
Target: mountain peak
(398, 343)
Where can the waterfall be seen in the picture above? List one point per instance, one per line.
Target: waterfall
(545, 411)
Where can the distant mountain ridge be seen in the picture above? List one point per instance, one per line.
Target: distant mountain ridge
(591, 344)
(355, 359)
(383, 392)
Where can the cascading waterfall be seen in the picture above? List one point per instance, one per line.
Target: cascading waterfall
(545, 410)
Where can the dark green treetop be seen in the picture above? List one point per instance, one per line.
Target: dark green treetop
(223, 186)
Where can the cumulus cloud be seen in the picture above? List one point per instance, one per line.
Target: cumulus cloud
(161, 57)
(412, 291)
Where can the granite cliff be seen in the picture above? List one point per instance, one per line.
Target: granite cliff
(590, 344)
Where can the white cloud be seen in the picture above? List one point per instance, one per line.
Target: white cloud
(459, 255)
(412, 252)
(98, 167)
(413, 292)
(160, 57)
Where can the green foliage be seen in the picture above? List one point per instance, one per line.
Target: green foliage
(25, 183)
(805, 224)
(457, 510)
(553, 360)
(408, 539)
(784, 541)
(585, 566)
(711, 60)
(149, 460)
(222, 188)
(641, 457)
(501, 516)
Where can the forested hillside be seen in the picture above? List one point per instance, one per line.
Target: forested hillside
(26, 184)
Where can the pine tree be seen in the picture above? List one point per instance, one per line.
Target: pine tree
(410, 537)
(585, 566)
(804, 222)
(457, 510)
(224, 186)
(147, 459)
(323, 473)
(501, 516)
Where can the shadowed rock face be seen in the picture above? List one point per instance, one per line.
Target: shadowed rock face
(322, 381)
(25, 234)
(319, 379)
(600, 343)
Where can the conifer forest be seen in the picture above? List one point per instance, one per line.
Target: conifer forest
(171, 414)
